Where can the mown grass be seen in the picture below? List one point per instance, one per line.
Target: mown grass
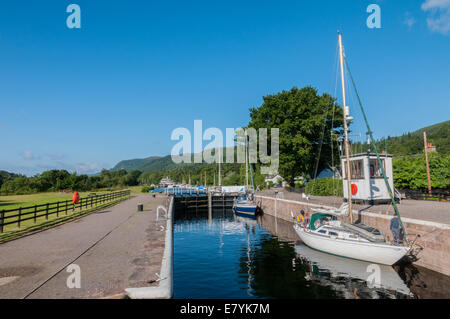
(17, 201)
(13, 231)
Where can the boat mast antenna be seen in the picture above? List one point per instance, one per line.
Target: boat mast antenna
(246, 160)
(346, 120)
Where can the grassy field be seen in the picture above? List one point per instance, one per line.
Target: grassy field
(17, 201)
(12, 231)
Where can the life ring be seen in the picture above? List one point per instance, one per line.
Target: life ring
(300, 219)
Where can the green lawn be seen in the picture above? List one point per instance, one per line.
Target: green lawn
(17, 201)
(22, 201)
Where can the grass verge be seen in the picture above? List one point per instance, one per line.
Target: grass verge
(10, 235)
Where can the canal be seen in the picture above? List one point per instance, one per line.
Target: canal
(225, 256)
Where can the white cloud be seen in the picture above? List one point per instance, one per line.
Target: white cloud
(29, 155)
(438, 19)
(409, 20)
(89, 168)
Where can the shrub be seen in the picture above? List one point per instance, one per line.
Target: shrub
(324, 187)
(145, 189)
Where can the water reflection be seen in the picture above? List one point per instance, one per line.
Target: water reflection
(220, 255)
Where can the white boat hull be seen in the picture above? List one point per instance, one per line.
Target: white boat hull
(379, 253)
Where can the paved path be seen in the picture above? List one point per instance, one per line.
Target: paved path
(115, 248)
(438, 212)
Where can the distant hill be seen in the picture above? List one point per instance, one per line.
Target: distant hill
(412, 143)
(158, 163)
(406, 144)
(152, 164)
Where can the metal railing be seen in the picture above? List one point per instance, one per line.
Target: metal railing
(22, 214)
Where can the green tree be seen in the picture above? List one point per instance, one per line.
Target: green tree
(301, 116)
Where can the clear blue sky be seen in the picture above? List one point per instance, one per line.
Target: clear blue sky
(116, 88)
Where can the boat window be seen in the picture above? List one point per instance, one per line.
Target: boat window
(375, 169)
(332, 233)
(357, 169)
(352, 236)
(322, 231)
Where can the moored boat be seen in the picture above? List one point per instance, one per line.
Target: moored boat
(327, 234)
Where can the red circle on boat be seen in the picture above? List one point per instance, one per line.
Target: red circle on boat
(354, 189)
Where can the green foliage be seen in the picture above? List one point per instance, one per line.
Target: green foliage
(5, 176)
(412, 143)
(57, 180)
(324, 187)
(300, 115)
(410, 172)
(146, 189)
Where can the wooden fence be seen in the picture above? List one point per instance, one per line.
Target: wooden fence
(22, 214)
(436, 194)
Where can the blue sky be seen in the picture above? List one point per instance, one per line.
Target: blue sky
(84, 99)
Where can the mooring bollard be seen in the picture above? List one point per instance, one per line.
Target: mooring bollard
(140, 207)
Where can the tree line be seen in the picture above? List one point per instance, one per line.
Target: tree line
(59, 180)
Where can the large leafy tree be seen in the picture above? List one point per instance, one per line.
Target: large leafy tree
(305, 120)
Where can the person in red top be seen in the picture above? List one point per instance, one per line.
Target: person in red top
(75, 199)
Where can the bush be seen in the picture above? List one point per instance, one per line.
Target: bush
(324, 187)
(146, 189)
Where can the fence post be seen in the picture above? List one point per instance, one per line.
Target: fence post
(2, 218)
(57, 209)
(35, 213)
(46, 212)
(20, 216)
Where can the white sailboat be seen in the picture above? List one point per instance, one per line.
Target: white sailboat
(324, 232)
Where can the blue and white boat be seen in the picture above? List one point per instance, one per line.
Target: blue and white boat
(245, 207)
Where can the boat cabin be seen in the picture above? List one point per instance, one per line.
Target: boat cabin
(367, 182)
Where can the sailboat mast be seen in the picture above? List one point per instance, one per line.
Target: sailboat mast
(220, 161)
(246, 161)
(347, 144)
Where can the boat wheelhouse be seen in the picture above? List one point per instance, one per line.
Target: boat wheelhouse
(367, 181)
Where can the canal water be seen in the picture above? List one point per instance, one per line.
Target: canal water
(226, 256)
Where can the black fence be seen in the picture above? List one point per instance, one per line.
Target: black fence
(22, 214)
(437, 194)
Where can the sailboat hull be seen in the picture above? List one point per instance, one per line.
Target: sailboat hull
(379, 253)
(245, 209)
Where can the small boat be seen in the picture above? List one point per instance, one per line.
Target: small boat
(246, 205)
(243, 206)
(327, 234)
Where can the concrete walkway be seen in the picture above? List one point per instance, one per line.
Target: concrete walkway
(433, 211)
(115, 248)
